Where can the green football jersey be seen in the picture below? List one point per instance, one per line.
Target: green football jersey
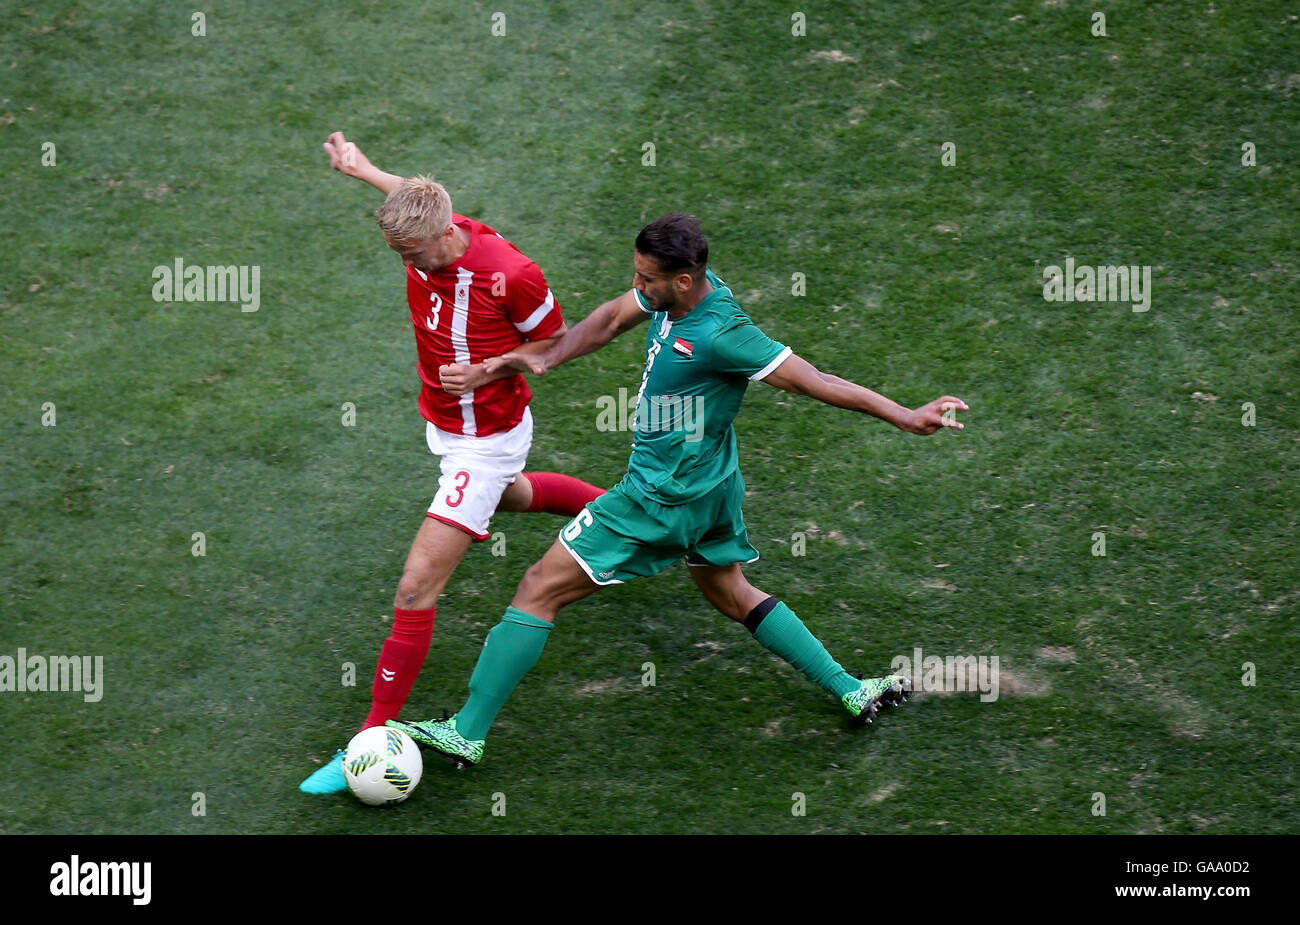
(696, 371)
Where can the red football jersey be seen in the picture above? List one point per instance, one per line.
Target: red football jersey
(485, 304)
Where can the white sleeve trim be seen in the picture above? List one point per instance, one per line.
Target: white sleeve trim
(767, 370)
(641, 305)
(538, 314)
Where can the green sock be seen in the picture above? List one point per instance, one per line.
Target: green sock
(510, 652)
(783, 633)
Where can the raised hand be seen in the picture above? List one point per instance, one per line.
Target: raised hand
(346, 157)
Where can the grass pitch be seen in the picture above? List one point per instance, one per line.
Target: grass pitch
(815, 154)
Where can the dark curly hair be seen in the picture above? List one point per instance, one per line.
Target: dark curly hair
(676, 243)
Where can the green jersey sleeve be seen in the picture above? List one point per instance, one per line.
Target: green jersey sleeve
(741, 347)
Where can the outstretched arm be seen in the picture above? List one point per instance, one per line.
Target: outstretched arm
(346, 157)
(459, 378)
(801, 377)
(590, 334)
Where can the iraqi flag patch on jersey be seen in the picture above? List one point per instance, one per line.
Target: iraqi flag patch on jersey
(685, 349)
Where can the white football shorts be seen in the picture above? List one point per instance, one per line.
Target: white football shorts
(475, 471)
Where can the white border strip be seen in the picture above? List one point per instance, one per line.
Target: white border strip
(690, 564)
(587, 568)
(538, 315)
(460, 346)
(767, 370)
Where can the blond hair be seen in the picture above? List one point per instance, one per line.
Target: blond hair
(417, 210)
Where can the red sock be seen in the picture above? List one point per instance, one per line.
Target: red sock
(554, 493)
(400, 661)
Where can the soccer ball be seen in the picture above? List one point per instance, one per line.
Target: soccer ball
(382, 766)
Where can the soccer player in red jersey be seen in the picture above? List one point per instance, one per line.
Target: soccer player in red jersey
(472, 295)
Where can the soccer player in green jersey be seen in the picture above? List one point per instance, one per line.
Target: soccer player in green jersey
(682, 493)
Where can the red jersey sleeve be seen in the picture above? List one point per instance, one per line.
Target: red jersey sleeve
(531, 306)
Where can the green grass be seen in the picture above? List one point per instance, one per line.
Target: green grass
(1122, 674)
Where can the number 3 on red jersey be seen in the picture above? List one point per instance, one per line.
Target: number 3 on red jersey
(463, 479)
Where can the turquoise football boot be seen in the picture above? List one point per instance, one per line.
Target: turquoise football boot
(328, 778)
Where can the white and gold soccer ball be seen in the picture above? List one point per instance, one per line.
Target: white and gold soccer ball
(382, 765)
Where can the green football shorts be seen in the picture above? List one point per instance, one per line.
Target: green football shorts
(625, 534)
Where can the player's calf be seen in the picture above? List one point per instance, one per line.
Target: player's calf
(727, 589)
(553, 581)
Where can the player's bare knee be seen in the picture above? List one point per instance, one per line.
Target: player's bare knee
(545, 589)
(418, 589)
(408, 597)
(510, 504)
(518, 495)
(523, 597)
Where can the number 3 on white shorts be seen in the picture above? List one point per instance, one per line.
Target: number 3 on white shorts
(462, 483)
(584, 519)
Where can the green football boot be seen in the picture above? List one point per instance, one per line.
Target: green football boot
(875, 694)
(441, 736)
